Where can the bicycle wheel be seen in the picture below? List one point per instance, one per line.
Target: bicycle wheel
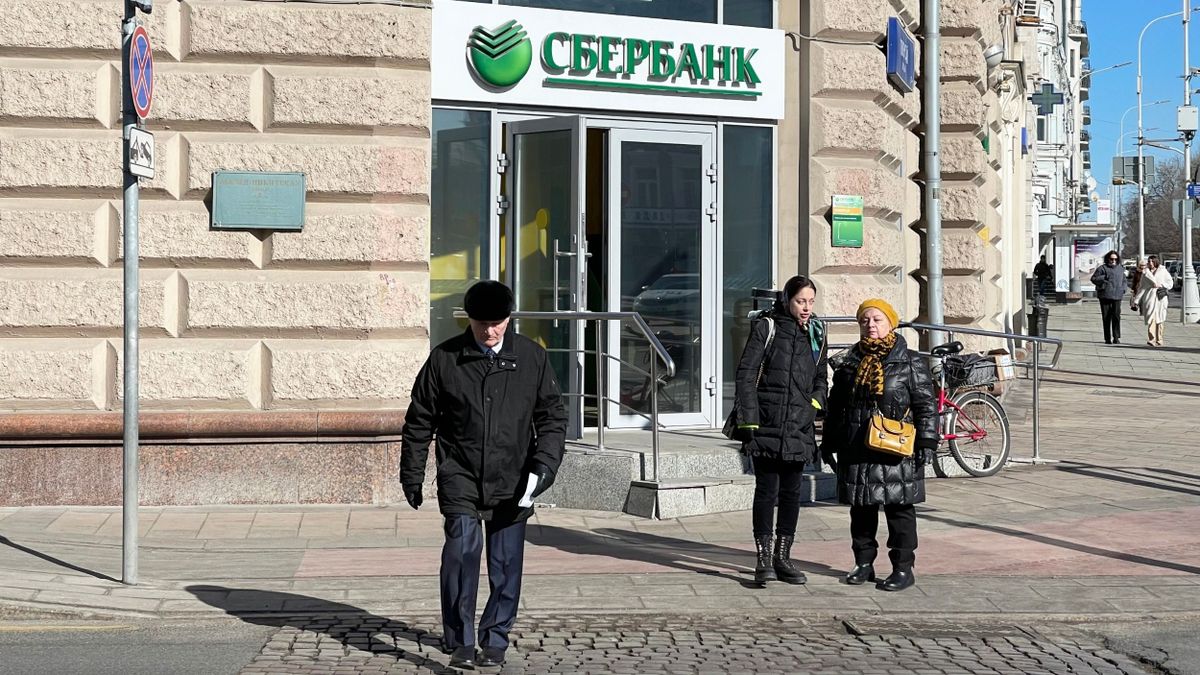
(982, 426)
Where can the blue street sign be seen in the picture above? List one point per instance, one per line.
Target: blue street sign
(1193, 190)
(901, 56)
(141, 72)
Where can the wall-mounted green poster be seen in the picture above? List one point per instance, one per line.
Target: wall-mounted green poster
(848, 221)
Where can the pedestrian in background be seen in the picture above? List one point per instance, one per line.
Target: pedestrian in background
(1135, 280)
(1152, 298)
(1109, 280)
(880, 375)
(781, 383)
(489, 398)
(1042, 273)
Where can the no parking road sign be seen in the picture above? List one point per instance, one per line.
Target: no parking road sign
(141, 72)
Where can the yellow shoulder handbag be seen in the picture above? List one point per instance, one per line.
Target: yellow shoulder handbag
(894, 437)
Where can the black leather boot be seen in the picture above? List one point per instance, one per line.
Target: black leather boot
(900, 579)
(764, 571)
(785, 568)
(861, 574)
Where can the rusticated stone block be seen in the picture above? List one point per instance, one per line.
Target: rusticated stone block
(841, 294)
(220, 373)
(62, 161)
(841, 68)
(882, 247)
(962, 108)
(323, 371)
(964, 298)
(962, 155)
(81, 24)
(864, 16)
(963, 203)
(37, 231)
(223, 94)
(855, 127)
(962, 249)
(183, 236)
(967, 17)
(397, 100)
(309, 302)
(29, 89)
(882, 190)
(383, 234)
(48, 298)
(378, 32)
(40, 373)
(962, 60)
(360, 167)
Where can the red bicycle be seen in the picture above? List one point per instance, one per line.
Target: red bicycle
(972, 421)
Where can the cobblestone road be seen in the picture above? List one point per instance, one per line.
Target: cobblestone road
(665, 644)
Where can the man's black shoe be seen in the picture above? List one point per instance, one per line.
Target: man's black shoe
(463, 657)
(861, 574)
(1116, 341)
(493, 657)
(898, 580)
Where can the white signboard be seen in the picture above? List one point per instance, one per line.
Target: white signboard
(1103, 212)
(505, 55)
(141, 153)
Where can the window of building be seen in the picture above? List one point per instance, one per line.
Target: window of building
(755, 13)
(460, 216)
(1041, 129)
(748, 213)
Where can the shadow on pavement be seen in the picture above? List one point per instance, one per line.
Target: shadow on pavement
(687, 556)
(1107, 473)
(51, 559)
(1063, 543)
(353, 627)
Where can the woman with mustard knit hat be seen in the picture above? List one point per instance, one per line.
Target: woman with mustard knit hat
(880, 374)
(782, 379)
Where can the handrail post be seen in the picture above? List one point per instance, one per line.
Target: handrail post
(654, 414)
(1037, 348)
(601, 390)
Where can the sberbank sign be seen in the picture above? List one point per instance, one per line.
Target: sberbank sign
(501, 57)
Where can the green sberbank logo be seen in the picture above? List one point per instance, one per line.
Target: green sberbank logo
(500, 56)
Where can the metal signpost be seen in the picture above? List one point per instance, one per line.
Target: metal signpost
(137, 93)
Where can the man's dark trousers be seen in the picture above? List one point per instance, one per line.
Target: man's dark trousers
(1110, 313)
(460, 580)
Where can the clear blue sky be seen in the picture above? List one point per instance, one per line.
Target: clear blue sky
(1114, 27)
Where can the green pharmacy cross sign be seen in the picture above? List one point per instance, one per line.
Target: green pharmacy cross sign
(500, 56)
(1046, 99)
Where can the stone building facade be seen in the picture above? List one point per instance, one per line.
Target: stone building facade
(276, 366)
(307, 339)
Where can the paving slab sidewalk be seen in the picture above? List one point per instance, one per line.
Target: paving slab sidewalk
(1106, 531)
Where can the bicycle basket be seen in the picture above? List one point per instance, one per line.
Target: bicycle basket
(970, 370)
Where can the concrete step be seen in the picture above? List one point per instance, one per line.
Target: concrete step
(677, 498)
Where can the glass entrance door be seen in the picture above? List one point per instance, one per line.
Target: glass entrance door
(545, 241)
(661, 264)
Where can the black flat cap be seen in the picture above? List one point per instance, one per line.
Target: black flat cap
(489, 301)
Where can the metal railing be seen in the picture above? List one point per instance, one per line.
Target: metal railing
(1011, 339)
(660, 353)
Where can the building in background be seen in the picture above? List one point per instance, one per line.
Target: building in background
(656, 156)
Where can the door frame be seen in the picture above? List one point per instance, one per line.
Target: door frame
(706, 416)
(575, 278)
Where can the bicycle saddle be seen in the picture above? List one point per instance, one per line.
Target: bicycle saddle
(947, 349)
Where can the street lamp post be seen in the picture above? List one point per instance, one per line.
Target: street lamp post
(1141, 131)
(1191, 295)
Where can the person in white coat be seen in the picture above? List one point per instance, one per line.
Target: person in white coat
(1151, 296)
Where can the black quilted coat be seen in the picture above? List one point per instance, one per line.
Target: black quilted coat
(867, 477)
(781, 405)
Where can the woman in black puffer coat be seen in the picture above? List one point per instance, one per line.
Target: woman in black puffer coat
(880, 371)
(776, 410)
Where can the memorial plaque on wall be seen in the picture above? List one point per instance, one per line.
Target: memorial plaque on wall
(258, 200)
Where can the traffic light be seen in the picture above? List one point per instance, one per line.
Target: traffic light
(146, 6)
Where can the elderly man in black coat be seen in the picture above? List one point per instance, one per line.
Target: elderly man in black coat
(490, 399)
